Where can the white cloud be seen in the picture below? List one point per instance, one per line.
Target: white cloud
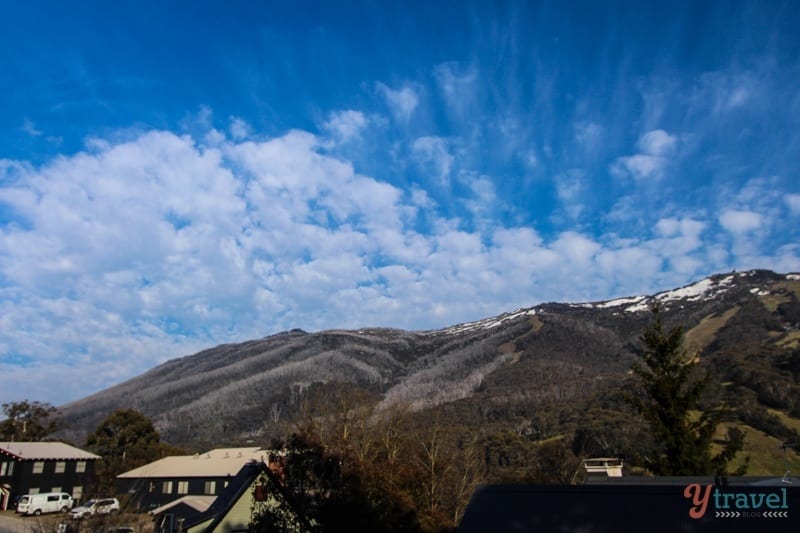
(433, 154)
(738, 222)
(346, 125)
(459, 86)
(656, 147)
(402, 102)
(577, 249)
(589, 135)
(570, 189)
(657, 143)
(639, 166)
(726, 91)
(30, 128)
(793, 202)
(238, 128)
(483, 201)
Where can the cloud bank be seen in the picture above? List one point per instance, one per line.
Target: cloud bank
(130, 253)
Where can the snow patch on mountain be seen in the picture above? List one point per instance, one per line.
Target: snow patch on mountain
(621, 301)
(704, 289)
(487, 323)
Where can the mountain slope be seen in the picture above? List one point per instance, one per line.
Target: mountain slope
(745, 326)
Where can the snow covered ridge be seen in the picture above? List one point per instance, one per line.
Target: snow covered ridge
(705, 289)
(486, 323)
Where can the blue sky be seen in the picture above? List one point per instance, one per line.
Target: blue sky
(176, 175)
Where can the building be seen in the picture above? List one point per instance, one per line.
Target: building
(252, 490)
(34, 467)
(168, 479)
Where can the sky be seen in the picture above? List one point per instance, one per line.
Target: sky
(177, 175)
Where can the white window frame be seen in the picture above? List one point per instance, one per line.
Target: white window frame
(80, 467)
(210, 487)
(183, 487)
(61, 467)
(38, 467)
(166, 487)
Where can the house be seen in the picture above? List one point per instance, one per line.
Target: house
(252, 490)
(34, 467)
(168, 479)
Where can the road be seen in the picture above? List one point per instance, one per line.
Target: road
(11, 523)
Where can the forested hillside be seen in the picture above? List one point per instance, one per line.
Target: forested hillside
(548, 374)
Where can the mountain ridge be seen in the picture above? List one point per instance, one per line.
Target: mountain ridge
(551, 352)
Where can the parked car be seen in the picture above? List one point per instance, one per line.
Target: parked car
(96, 506)
(45, 502)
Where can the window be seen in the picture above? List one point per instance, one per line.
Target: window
(6, 468)
(60, 466)
(33, 490)
(56, 489)
(80, 466)
(210, 488)
(166, 487)
(183, 487)
(38, 467)
(77, 493)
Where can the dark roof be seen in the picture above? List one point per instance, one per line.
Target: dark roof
(733, 481)
(617, 508)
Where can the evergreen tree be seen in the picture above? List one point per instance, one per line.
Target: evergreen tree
(668, 393)
(28, 421)
(125, 440)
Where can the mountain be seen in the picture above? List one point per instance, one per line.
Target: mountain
(537, 370)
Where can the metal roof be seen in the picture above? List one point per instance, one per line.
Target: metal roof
(44, 450)
(215, 463)
(198, 503)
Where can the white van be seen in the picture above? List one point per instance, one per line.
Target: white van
(46, 502)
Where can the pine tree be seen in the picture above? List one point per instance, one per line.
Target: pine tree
(669, 392)
(125, 439)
